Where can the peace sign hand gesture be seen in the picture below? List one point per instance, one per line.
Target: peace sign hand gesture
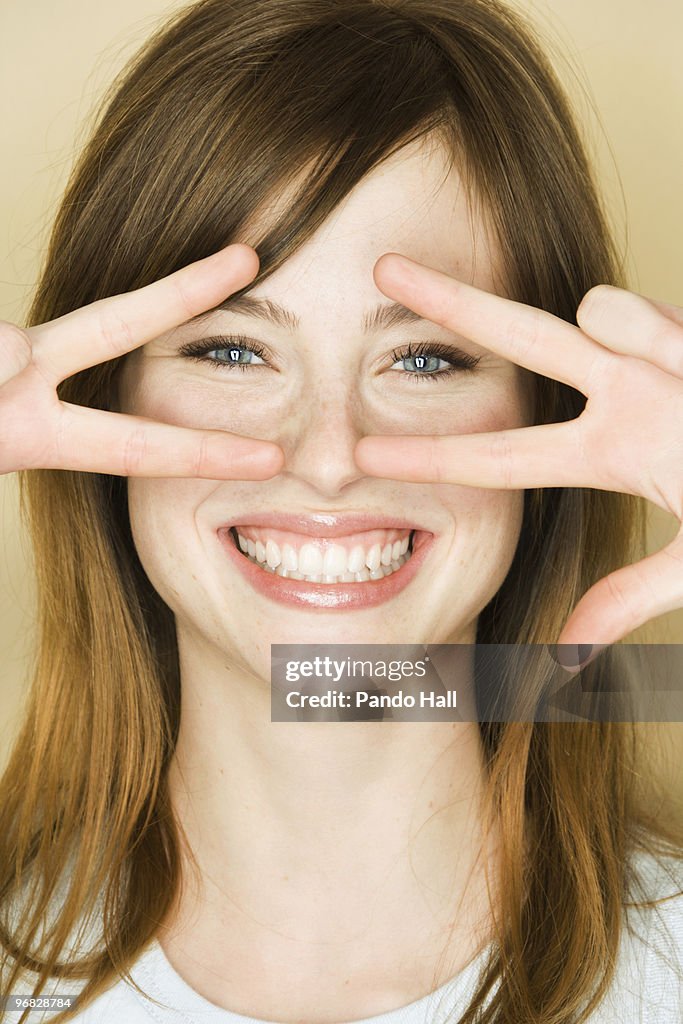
(38, 431)
(626, 357)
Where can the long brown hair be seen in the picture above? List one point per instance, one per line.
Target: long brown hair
(227, 105)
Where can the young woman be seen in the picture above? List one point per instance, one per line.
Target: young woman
(324, 283)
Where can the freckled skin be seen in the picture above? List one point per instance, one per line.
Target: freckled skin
(333, 385)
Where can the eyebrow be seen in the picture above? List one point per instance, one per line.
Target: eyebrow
(384, 315)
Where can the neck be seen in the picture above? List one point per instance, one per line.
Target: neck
(353, 843)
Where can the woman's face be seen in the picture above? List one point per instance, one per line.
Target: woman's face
(324, 380)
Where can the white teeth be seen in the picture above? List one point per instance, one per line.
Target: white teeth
(374, 556)
(289, 559)
(334, 562)
(310, 560)
(273, 557)
(356, 559)
(331, 565)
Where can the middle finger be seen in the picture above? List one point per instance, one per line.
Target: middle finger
(113, 326)
(529, 337)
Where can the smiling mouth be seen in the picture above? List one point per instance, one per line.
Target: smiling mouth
(359, 558)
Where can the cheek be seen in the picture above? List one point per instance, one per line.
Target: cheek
(487, 520)
(500, 398)
(487, 523)
(503, 408)
(484, 536)
(164, 527)
(156, 389)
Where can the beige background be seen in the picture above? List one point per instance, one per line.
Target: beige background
(620, 59)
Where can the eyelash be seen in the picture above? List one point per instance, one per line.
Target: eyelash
(461, 361)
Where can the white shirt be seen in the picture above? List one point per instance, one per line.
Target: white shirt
(647, 988)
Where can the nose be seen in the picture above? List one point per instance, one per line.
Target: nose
(320, 437)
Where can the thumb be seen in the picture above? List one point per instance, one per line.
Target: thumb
(628, 597)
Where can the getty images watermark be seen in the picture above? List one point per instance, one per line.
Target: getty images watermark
(476, 682)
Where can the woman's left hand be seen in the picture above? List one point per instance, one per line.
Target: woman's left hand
(626, 357)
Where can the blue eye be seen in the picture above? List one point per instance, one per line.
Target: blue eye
(234, 355)
(421, 361)
(238, 353)
(426, 356)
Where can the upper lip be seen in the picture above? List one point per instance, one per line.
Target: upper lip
(324, 524)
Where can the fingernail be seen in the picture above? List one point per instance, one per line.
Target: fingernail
(570, 655)
(574, 656)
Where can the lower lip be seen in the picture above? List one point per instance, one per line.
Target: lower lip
(328, 596)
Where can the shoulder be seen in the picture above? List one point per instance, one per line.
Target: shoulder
(656, 878)
(648, 983)
(119, 1003)
(660, 880)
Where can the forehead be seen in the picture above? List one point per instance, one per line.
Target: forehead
(414, 203)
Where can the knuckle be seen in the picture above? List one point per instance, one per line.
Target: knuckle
(582, 443)
(631, 591)
(666, 340)
(57, 454)
(594, 302)
(449, 309)
(202, 456)
(501, 452)
(606, 370)
(135, 451)
(15, 346)
(621, 596)
(186, 305)
(113, 330)
(674, 551)
(32, 434)
(435, 459)
(523, 332)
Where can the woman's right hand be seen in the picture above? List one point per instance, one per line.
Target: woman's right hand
(39, 431)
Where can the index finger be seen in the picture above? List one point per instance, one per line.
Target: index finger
(530, 337)
(113, 326)
(545, 455)
(120, 444)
